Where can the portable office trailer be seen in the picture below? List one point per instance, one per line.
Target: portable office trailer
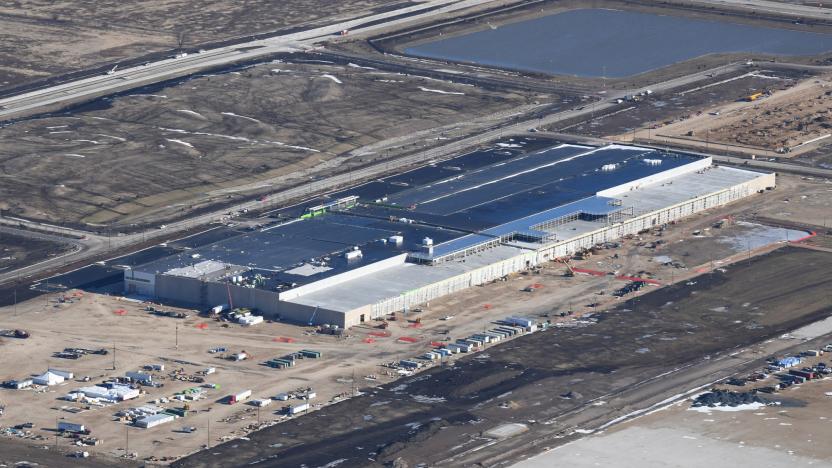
(463, 346)
(19, 384)
(520, 321)
(139, 377)
(298, 408)
(154, 420)
(476, 342)
(502, 334)
(481, 337)
(494, 336)
(237, 397)
(64, 426)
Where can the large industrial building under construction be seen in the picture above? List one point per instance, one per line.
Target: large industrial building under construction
(396, 243)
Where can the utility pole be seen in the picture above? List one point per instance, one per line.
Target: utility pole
(114, 356)
(209, 431)
(177, 335)
(56, 433)
(126, 441)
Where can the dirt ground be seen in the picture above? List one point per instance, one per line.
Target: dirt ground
(784, 124)
(43, 38)
(17, 251)
(666, 109)
(161, 152)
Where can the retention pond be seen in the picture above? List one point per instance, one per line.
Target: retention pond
(614, 43)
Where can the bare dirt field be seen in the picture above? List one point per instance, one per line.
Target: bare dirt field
(790, 121)
(42, 38)
(668, 108)
(17, 251)
(161, 152)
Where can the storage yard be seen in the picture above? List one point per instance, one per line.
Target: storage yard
(777, 122)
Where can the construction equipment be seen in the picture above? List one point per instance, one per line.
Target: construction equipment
(569, 271)
(18, 333)
(754, 97)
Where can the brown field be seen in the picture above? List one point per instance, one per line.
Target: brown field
(44, 38)
(793, 119)
(158, 153)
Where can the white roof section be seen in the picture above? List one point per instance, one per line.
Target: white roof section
(398, 279)
(684, 187)
(203, 268)
(308, 269)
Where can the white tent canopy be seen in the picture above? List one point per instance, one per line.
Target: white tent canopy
(48, 378)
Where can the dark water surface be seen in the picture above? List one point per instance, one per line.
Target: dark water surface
(613, 43)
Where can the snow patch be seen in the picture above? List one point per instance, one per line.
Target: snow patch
(231, 114)
(190, 112)
(355, 65)
(427, 399)
(429, 90)
(332, 78)
(708, 409)
(185, 143)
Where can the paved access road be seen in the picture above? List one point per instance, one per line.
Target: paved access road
(781, 8)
